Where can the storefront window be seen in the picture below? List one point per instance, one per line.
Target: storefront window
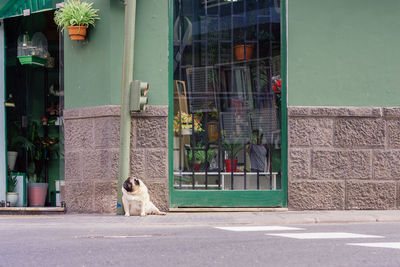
(227, 89)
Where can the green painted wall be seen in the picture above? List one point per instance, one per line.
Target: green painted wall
(93, 68)
(151, 48)
(343, 53)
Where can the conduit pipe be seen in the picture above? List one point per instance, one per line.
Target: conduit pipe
(127, 78)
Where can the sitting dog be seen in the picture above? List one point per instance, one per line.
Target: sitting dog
(136, 199)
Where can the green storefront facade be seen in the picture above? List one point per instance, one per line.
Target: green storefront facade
(339, 118)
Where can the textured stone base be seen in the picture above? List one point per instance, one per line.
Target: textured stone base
(91, 156)
(343, 157)
(321, 195)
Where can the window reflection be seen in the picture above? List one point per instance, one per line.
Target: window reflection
(227, 68)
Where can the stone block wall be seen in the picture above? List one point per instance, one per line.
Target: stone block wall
(91, 156)
(149, 152)
(343, 158)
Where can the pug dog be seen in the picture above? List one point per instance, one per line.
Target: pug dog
(136, 199)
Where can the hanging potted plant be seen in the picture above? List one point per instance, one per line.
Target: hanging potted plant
(76, 16)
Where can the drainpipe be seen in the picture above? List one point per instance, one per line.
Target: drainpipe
(127, 78)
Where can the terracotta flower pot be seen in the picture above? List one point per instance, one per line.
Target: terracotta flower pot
(37, 193)
(77, 32)
(239, 51)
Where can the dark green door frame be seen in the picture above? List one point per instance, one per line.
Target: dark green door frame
(211, 198)
(12, 8)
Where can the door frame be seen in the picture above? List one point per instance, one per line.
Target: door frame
(220, 198)
(3, 145)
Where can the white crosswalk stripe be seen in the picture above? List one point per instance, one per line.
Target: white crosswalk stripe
(258, 228)
(314, 235)
(395, 245)
(326, 235)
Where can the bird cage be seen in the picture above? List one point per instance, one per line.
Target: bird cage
(32, 51)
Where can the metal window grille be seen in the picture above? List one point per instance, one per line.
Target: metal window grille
(229, 102)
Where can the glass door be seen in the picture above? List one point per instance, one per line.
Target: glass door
(227, 134)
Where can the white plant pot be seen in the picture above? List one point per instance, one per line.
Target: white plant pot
(12, 197)
(11, 159)
(186, 131)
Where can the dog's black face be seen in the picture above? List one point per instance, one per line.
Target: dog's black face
(129, 186)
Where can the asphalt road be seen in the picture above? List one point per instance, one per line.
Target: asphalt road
(52, 241)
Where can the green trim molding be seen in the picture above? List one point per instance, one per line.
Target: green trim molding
(249, 198)
(13, 8)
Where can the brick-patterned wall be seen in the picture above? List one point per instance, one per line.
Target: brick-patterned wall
(343, 158)
(91, 156)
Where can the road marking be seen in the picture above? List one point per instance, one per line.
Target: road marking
(395, 245)
(332, 235)
(121, 236)
(258, 228)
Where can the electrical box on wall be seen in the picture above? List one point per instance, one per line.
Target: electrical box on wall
(138, 98)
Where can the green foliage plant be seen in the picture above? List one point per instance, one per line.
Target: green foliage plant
(11, 182)
(199, 156)
(15, 139)
(232, 150)
(76, 13)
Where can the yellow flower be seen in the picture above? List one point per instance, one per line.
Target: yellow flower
(184, 121)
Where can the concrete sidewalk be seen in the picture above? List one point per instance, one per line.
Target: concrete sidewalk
(216, 218)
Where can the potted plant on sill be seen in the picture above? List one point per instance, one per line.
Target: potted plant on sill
(39, 156)
(199, 153)
(76, 16)
(231, 151)
(197, 157)
(12, 196)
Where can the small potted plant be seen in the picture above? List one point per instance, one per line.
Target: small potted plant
(242, 51)
(231, 151)
(12, 196)
(76, 16)
(39, 155)
(231, 145)
(199, 158)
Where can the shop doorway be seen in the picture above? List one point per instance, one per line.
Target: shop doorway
(34, 100)
(227, 116)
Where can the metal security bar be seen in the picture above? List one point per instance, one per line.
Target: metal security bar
(226, 108)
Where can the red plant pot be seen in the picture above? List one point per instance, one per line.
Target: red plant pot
(228, 167)
(37, 193)
(196, 166)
